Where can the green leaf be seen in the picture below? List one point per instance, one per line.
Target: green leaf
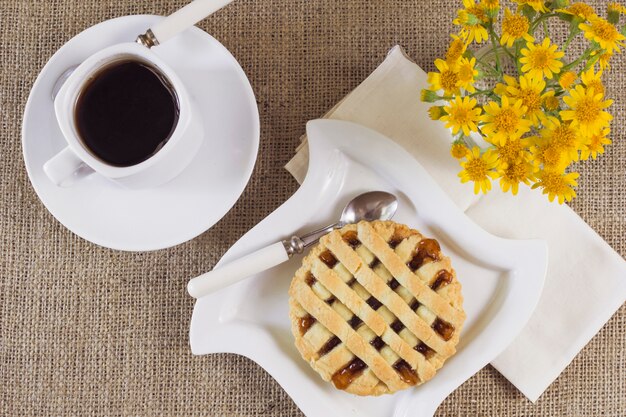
(472, 19)
(559, 4)
(575, 23)
(613, 16)
(430, 96)
(493, 13)
(592, 61)
(529, 12)
(566, 17)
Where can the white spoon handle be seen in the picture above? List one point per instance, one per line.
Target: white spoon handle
(185, 18)
(235, 271)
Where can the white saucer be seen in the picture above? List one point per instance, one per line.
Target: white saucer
(111, 216)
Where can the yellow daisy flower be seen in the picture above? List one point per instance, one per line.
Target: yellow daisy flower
(471, 19)
(557, 185)
(563, 138)
(595, 145)
(513, 150)
(491, 6)
(586, 110)
(479, 169)
(446, 79)
(547, 154)
(614, 10)
(603, 33)
(529, 92)
(582, 10)
(537, 5)
(455, 50)
(467, 73)
(502, 89)
(541, 59)
(604, 59)
(459, 150)
(429, 96)
(514, 27)
(616, 7)
(436, 112)
(505, 121)
(550, 101)
(567, 78)
(513, 173)
(462, 114)
(591, 79)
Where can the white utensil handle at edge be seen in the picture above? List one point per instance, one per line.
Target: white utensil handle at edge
(62, 166)
(186, 17)
(235, 271)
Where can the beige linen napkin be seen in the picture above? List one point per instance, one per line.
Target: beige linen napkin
(586, 281)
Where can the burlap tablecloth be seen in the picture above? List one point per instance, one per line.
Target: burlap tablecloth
(86, 330)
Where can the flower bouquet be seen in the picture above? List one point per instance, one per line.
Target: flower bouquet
(532, 111)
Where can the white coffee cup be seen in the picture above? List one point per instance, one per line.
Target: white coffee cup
(163, 166)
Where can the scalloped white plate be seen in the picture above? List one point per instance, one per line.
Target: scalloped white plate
(502, 279)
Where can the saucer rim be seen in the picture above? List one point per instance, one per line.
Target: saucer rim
(166, 241)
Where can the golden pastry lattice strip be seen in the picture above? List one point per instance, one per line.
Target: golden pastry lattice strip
(379, 289)
(404, 369)
(353, 341)
(406, 277)
(365, 313)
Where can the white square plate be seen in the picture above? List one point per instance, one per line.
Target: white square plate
(502, 279)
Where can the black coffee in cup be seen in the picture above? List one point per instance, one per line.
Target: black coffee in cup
(126, 112)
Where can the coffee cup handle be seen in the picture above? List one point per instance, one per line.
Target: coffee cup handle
(64, 165)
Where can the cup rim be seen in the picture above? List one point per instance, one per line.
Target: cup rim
(64, 105)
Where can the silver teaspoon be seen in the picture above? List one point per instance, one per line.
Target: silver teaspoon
(373, 205)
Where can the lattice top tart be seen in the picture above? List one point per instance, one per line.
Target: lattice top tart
(376, 308)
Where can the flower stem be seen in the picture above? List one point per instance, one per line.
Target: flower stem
(569, 39)
(495, 47)
(470, 142)
(539, 20)
(487, 67)
(584, 56)
(508, 53)
(590, 64)
(486, 93)
(518, 65)
(479, 93)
